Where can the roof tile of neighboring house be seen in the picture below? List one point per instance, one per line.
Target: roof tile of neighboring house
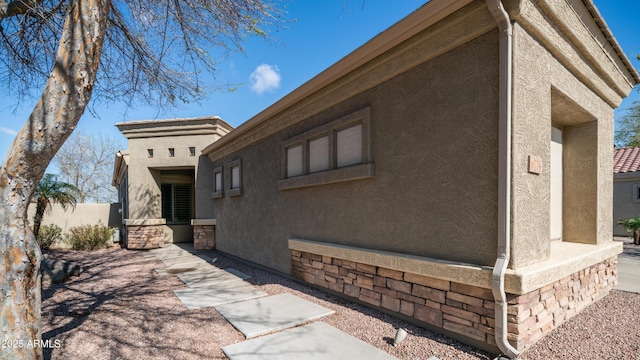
(626, 160)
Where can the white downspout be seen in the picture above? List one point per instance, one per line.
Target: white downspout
(504, 177)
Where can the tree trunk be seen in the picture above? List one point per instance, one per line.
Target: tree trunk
(41, 206)
(54, 117)
(636, 236)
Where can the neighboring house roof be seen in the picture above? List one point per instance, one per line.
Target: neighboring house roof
(626, 160)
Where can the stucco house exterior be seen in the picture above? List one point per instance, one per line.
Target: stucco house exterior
(626, 186)
(454, 171)
(156, 178)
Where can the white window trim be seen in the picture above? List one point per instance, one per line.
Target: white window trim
(218, 193)
(333, 174)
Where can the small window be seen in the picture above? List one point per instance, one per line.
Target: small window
(172, 152)
(349, 146)
(337, 151)
(217, 183)
(149, 153)
(192, 151)
(235, 177)
(235, 181)
(636, 192)
(294, 161)
(319, 154)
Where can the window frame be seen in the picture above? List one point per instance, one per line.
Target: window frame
(333, 173)
(218, 192)
(635, 194)
(231, 191)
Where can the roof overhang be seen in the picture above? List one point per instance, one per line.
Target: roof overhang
(422, 18)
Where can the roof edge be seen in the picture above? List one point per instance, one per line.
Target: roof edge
(595, 14)
(151, 128)
(425, 16)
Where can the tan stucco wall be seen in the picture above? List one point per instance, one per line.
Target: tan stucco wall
(144, 173)
(434, 145)
(553, 83)
(623, 205)
(434, 117)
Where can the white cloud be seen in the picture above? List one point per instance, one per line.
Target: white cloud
(8, 131)
(265, 78)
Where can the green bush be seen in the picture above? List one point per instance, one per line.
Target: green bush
(89, 237)
(48, 235)
(632, 225)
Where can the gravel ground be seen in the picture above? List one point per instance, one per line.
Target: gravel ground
(119, 308)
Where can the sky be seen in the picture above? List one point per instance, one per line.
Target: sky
(323, 33)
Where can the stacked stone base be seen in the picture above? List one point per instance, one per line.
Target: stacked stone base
(144, 236)
(464, 310)
(533, 315)
(204, 237)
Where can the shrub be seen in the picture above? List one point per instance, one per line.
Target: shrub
(632, 226)
(48, 235)
(89, 237)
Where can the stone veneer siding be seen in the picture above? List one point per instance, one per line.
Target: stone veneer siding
(144, 236)
(204, 237)
(459, 308)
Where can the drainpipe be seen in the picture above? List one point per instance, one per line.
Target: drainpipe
(504, 178)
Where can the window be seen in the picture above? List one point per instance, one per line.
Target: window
(172, 152)
(349, 146)
(636, 192)
(192, 151)
(176, 203)
(319, 154)
(294, 161)
(149, 153)
(235, 181)
(217, 183)
(334, 152)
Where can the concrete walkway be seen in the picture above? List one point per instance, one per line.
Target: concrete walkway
(629, 272)
(255, 314)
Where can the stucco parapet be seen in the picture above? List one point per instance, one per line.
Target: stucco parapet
(203, 222)
(144, 222)
(580, 44)
(174, 127)
(566, 259)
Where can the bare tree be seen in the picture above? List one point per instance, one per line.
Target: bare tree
(154, 50)
(86, 162)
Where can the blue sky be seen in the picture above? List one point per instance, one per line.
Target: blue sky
(325, 31)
